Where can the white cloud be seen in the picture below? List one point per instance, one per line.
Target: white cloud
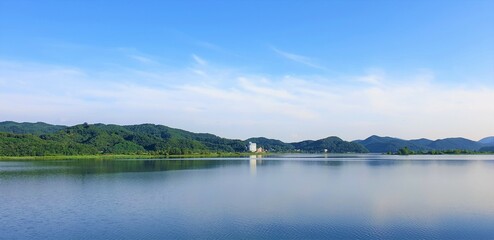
(298, 58)
(240, 105)
(261, 88)
(374, 78)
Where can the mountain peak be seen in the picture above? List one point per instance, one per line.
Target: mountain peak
(487, 140)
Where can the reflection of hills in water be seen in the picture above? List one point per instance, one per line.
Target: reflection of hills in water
(109, 166)
(89, 166)
(387, 163)
(83, 167)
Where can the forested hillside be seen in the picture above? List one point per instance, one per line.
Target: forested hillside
(114, 139)
(41, 139)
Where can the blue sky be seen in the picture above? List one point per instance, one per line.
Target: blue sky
(291, 70)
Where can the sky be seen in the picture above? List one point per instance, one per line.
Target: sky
(290, 70)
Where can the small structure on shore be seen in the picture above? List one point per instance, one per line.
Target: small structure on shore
(252, 147)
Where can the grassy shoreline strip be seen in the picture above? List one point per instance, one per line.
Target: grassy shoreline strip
(123, 156)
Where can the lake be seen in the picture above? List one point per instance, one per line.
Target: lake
(276, 197)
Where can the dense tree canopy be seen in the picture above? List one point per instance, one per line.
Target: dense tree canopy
(141, 139)
(41, 139)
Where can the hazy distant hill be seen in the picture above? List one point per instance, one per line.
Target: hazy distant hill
(272, 145)
(29, 128)
(487, 149)
(332, 144)
(377, 144)
(421, 142)
(388, 144)
(487, 141)
(455, 143)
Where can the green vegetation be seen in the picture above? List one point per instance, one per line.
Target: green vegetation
(92, 139)
(121, 156)
(29, 128)
(145, 140)
(41, 140)
(406, 151)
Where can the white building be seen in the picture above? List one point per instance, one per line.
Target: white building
(252, 147)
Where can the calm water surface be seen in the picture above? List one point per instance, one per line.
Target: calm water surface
(287, 197)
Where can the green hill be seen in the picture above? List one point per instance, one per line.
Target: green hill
(40, 139)
(455, 143)
(115, 139)
(332, 144)
(32, 145)
(271, 145)
(173, 137)
(379, 144)
(29, 128)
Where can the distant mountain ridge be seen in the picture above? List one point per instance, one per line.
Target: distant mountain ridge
(27, 139)
(488, 144)
(329, 144)
(377, 144)
(141, 139)
(487, 140)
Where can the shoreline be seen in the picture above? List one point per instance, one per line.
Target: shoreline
(157, 156)
(124, 156)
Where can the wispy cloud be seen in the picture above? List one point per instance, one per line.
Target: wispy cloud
(298, 59)
(373, 78)
(215, 48)
(240, 105)
(134, 54)
(143, 59)
(261, 89)
(199, 60)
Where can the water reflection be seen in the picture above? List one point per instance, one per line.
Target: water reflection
(253, 164)
(92, 166)
(319, 197)
(83, 167)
